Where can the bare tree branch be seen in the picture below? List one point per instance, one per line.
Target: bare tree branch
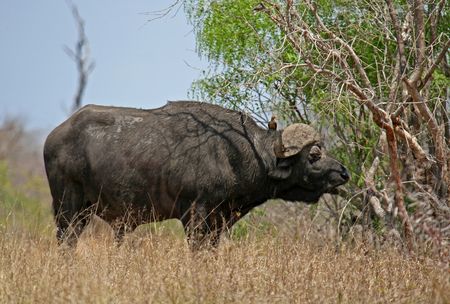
(398, 35)
(434, 65)
(356, 59)
(399, 192)
(372, 191)
(434, 130)
(80, 55)
(401, 68)
(419, 27)
(162, 13)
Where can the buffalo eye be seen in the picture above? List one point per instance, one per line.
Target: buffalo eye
(314, 154)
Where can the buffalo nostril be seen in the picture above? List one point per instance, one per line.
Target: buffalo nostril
(344, 174)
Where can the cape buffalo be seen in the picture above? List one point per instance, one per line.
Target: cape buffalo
(200, 163)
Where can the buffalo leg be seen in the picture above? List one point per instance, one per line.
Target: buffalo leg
(195, 225)
(203, 231)
(72, 215)
(216, 225)
(196, 236)
(120, 229)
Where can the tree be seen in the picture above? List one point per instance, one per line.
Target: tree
(375, 74)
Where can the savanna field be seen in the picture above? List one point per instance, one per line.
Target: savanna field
(267, 258)
(158, 267)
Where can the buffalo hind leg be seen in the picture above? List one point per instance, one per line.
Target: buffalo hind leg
(72, 214)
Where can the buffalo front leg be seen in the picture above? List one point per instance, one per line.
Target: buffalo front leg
(200, 237)
(203, 229)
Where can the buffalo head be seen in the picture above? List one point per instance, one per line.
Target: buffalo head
(304, 167)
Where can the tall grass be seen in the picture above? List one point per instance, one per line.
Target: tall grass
(159, 267)
(278, 254)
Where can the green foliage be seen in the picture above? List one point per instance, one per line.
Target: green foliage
(409, 204)
(313, 209)
(378, 225)
(171, 227)
(19, 210)
(255, 224)
(229, 30)
(236, 39)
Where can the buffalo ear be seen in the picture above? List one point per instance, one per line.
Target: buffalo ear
(282, 170)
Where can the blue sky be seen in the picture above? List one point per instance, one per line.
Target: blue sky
(138, 64)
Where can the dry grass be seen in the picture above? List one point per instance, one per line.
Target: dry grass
(290, 257)
(159, 268)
